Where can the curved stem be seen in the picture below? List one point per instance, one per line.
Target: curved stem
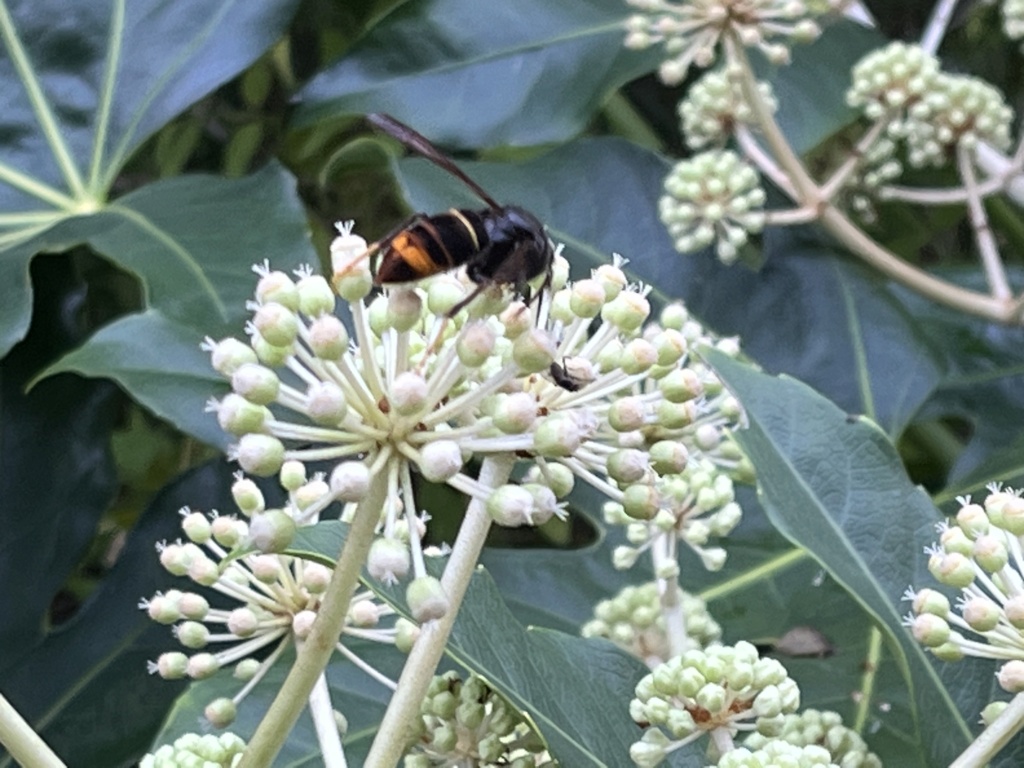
(389, 745)
(312, 659)
(886, 262)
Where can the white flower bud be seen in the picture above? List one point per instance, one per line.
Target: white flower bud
(228, 355)
(405, 635)
(172, 665)
(247, 496)
(627, 466)
(277, 287)
(256, 383)
(328, 338)
(515, 413)
(270, 354)
(292, 475)
(302, 623)
(586, 298)
(266, 569)
(243, 622)
(350, 481)
(363, 613)
(533, 351)
(638, 356)
(196, 527)
(193, 606)
(316, 299)
(315, 577)
(405, 308)
(325, 403)
(271, 531)
(277, 324)
(238, 416)
(228, 531)
(246, 669)
(440, 460)
(558, 434)
(221, 712)
(202, 570)
(627, 414)
(627, 311)
(511, 506)
(408, 393)
(426, 598)
(162, 609)
(475, 344)
(388, 561)
(516, 319)
(202, 666)
(192, 634)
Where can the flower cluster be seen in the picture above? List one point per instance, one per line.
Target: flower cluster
(272, 599)
(712, 197)
(467, 723)
(691, 31)
(981, 555)
(778, 753)
(580, 386)
(1013, 18)
(825, 729)
(721, 687)
(715, 105)
(634, 621)
(223, 751)
(932, 111)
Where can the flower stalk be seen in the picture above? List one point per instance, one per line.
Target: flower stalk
(312, 658)
(392, 736)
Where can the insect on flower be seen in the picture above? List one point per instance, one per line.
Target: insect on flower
(499, 245)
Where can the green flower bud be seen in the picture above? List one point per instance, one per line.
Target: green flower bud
(221, 712)
(247, 496)
(533, 351)
(172, 665)
(586, 298)
(277, 287)
(557, 435)
(256, 383)
(277, 324)
(627, 466)
(271, 531)
(228, 355)
(328, 338)
(316, 299)
(426, 598)
(640, 501)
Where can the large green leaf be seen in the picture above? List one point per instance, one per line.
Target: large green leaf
(192, 241)
(835, 486)
(56, 472)
(84, 687)
(472, 74)
(83, 84)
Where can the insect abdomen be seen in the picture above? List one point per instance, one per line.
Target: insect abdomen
(432, 245)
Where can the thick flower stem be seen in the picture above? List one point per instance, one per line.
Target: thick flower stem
(24, 744)
(312, 659)
(389, 745)
(995, 737)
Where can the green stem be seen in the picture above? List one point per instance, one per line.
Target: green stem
(25, 745)
(995, 737)
(312, 659)
(393, 735)
(862, 246)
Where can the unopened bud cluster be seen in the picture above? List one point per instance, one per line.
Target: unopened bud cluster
(467, 723)
(270, 600)
(978, 555)
(634, 621)
(715, 105)
(690, 32)
(811, 727)
(208, 751)
(720, 687)
(777, 752)
(932, 111)
(714, 197)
